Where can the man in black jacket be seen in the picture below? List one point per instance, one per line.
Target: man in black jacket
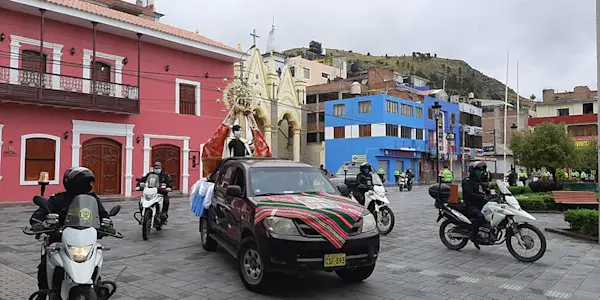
(474, 192)
(166, 179)
(77, 181)
(364, 182)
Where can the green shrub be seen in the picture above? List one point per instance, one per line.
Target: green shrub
(544, 186)
(584, 221)
(532, 203)
(561, 175)
(518, 190)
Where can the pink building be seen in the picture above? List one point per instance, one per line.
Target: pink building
(151, 95)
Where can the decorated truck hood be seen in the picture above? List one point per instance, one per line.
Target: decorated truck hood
(332, 216)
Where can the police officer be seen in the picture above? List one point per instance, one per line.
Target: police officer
(474, 191)
(364, 182)
(77, 181)
(522, 176)
(447, 176)
(165, 178)
(397, 175)
(381, 173)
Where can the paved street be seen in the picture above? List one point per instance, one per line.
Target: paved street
(413, 264)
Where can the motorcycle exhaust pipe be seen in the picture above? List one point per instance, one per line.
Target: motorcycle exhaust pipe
(457, 235)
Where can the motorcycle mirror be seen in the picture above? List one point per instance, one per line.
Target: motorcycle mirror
(115, 210)
(343, 190)
(41, 202)
(139, 179)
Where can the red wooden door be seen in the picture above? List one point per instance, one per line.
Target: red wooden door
(102, 72)
(31, 61)
(170, 157)
(103, 157)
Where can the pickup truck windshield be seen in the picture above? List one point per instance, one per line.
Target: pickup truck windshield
(285, 180)
(354, 170)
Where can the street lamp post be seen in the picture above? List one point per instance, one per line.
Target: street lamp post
(513, 129)
(436, 112)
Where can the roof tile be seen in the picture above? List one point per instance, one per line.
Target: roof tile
(139, 21)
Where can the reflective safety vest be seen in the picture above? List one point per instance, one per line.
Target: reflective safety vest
(583, 175)
(381, 171)
(547, 174)
(397, 173)
(522, 175)
(447, 176)
(575, 174)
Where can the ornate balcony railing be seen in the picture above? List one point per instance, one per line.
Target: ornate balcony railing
(17, 85)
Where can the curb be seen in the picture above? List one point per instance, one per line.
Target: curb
(555, 212)
(571, 234)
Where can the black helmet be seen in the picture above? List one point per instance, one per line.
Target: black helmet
(78, 180)
(476, 165)
(365, 166)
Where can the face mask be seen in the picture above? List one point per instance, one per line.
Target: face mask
(157, 170)
(237, 134)
(478, 173)
(365, 172)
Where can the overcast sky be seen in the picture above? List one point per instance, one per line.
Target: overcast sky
(553, 40)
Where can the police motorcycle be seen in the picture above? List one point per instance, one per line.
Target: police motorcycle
(74, 265)
(403, 182)
(151, 204)
(377, 203)
(500, 212)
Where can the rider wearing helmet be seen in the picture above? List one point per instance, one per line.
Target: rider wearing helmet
(474, 191)
(364, 182)
(165, 178)
(77, 181)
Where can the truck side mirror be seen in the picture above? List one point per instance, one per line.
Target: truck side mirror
(234, 191)
(343, 190)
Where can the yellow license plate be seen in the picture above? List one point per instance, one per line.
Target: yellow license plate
(335, 260)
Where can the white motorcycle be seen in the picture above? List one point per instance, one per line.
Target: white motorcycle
(73, 265)
(151, 204)
(500, 226)
(377, 203)
(402, 182)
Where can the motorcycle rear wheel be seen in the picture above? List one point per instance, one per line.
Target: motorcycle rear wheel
(82, 292)
(463, 242)
(538, 255)
(146, 224)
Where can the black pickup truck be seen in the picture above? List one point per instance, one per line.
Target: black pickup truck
(263, 212)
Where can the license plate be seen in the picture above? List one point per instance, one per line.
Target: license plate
(335, 260)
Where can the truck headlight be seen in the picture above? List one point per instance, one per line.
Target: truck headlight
(80, 253)
(369, 223)
(283, 226)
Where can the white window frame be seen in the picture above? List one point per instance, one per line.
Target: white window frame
(198, 86)
(326, 73)
(309, 72)
(24, 139)
(343, 109)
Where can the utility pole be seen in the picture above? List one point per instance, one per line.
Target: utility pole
(495, 160)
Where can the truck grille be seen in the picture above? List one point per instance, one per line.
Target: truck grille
(308, 231)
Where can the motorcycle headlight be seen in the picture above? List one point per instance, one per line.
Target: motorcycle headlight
(369, 223)
(80, 253)
(283, 226)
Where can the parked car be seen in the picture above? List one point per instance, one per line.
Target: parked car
(266, 242)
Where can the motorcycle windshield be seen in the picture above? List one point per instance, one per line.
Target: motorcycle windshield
(503, 189)
(83, 212)
(152, 181)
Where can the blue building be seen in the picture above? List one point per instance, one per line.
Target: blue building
(449, 145)
(386, 131)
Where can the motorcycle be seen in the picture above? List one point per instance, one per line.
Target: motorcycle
(73, 265)
(404, 182)
(151, 202)
(377, 203)
(500, 226)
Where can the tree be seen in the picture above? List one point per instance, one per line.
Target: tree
(549, 146)
(532, 97)
(586, 157)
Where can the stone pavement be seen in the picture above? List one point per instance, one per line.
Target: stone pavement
(413, 263)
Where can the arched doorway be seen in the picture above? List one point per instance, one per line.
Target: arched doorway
(285, 138)
(103, 157)
(170, 157)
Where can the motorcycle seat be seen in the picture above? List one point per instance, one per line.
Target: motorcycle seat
(458, 207)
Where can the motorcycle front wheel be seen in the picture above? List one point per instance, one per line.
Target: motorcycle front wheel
(527, 243)
(385, 220)
(147, 224)
(82, 292)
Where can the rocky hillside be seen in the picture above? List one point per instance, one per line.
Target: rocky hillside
(461, 79)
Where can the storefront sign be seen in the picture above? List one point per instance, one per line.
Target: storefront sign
(359, 158)
(398, 153)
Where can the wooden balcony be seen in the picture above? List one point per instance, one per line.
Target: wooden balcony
(315, 107)
(23, 87)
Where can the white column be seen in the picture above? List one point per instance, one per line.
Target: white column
(56, 56)
(15, 49)
(200, 161)
(1, 142)
(186, 165)
(296, 144)
(268, 134)
(75, 146)
(128, 161)
(118, 78)
(87, 63)
(147, 149)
